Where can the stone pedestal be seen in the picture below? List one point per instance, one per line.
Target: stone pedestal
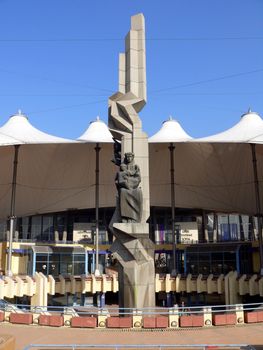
(134, 252)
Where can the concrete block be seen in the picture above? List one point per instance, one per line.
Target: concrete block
(198, 320)
(260, 316)
(149, 322)
(251, 317)
(162, 322)
(186, 321)
(43, 320)
(219, 320)
(84, 322)
(231, 318)
(113, 322)
(224, 319)
(26, 318)
(56, 320)
(125, 322)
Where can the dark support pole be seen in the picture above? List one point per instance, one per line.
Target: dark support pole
(258, 206)
(97, 179)
(171, 148)
(12, 213)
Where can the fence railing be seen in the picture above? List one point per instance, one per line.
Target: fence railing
(116, 311)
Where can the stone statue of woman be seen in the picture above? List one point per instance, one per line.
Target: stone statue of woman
(130, 194)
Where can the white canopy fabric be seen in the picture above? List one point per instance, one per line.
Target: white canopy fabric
(97, 132)
(248, 130)
(18, 130)
(171, 131)
(56, 176)
(53, 174)
(213, 173)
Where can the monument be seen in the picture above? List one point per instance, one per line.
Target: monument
(132, 247)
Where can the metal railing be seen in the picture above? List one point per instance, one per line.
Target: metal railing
(140, 346)
(116, 311)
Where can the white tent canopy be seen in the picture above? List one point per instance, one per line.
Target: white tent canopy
(20, 131)
(171, 131)
(53, 173)
(248, 130)
(213, 173)
(60, 175)
(97, 132)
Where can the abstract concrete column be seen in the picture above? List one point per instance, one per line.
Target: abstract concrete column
(132, 246)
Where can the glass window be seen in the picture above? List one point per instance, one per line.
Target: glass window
(36, 227)
(78, 264)
(42, 263)
(48, 229)
(234, 227)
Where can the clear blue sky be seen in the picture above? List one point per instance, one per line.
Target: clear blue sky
(59, 61)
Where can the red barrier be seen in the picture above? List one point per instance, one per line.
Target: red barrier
(254, 316)
(119, 322)
(84, 322)
(155, 322)
(191, 321)
(162, 322)
(21, 318)
(2, 316)
(43, 320)
(125, 322)
(224, 319)
(51, 320)
(149, 322)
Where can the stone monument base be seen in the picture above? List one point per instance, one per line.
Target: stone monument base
(134, 252)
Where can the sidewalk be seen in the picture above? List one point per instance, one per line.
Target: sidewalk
(248, 334)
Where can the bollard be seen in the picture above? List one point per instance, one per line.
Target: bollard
(239, 314)
(103, 314)
(173, 317)
(137, 319)
(207, 316)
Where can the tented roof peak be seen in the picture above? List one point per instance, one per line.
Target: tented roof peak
(245, 130)
(251, 115)
(171, 131)
(97, 132)
(19, 114)
(19, 128)
(170, 119)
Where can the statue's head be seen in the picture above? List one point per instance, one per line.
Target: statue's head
(128, 157)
